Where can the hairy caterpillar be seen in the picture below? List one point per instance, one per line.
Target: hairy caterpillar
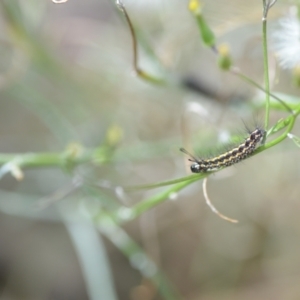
(231, 157)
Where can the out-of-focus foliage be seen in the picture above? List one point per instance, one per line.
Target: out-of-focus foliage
(79, 131)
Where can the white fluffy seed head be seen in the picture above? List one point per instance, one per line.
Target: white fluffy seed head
(286, 40)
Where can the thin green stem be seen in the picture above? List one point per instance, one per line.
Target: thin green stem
(55, 159)
(147, 267)
(244, 77)
(281, 137)
(164, 183)
(266, 68)
(290, 121)
(152, 201)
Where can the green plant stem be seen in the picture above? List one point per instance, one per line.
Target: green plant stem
(163, 183)
(266, 69)
(290, 124)
(42, 159)
(266, 6)
(247, 79)
(32, 159)
(93, 260)
(139, 258)
(152, 201)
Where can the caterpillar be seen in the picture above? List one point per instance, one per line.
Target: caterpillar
(231, 157)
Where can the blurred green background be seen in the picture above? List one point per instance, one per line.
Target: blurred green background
(67, 87)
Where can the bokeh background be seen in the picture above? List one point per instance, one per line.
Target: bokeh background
(67, 84)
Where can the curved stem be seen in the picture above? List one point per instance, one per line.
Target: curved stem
(132, 33)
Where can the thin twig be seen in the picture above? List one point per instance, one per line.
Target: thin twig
(236, 71)
(133, 36)
(208, 202)
(60, 194)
